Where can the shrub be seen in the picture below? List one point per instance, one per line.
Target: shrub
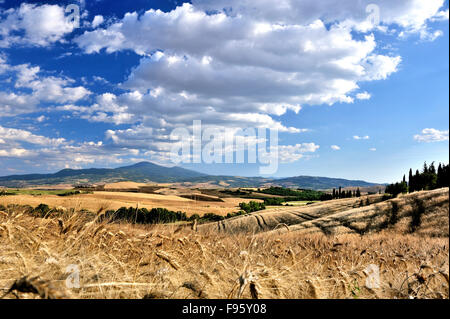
(397, 188)
(194, 217)
(239, 213)
(4, 192)
(70, 193)
(252, 206)
(42, 210)
(144, 216)
(274, 201)
(326, 196)
(291, 194)
(210, 217)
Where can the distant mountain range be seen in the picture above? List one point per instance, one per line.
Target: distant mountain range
(146, 172)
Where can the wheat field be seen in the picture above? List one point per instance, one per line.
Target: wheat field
(115, 200)
(44, 257)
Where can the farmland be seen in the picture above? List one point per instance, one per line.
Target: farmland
(115, 200)
(321, 250)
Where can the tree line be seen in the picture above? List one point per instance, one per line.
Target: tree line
(295, 195)
(428, 178)
(340, 193)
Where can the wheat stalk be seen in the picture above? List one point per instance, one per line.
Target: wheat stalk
(164, 256)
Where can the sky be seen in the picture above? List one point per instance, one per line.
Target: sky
(354, 89)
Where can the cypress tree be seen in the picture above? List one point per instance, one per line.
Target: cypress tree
(439, 176)
(417, 181)
(410, 181)
(425, 168)
(432, 169)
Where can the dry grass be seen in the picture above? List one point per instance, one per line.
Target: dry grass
(428, 209)
(422, 213)
(124, 185)
(273, 218)
(135, 261)
(115, 200)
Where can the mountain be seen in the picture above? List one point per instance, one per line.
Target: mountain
(145, 172)
(141, 172)
(315, 182)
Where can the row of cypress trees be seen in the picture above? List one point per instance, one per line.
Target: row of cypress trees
(427, 179)
(339, 193)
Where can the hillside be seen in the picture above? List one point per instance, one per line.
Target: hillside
(425, 212)
(142, 172)
(315, 182)
(146, 172)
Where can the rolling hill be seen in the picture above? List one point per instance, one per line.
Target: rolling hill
(315, 182)
(141, 172)
(146, 172)
(424, 213)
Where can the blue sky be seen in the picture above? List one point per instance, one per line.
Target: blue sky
(352, 94)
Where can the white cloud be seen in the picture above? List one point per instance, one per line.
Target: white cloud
(363, 96)
(429, 135)
(57, 153)
(14, 152)
(231, 69)
(357, 137)
(379, 67)
(43, 89)
(14, 104)
(41, 118)
(410, 15)
(335, 148)
(98, 20)
(441, 16)
(34, 25)
(12, 136)
(373, 149)
(238, 67)
(292, 153)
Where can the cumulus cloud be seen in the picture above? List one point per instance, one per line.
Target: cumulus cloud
(98, 20)
(225, 62)
(357, 137)
(372, 149)
(238, 63)
(56, 153)
(12, 136)
(14, 152)
(33, 25)
(292, 153)
(363, 96)
(232, 69)
(429, 135)
(411, 15)
(121, 147)
(41, 118)
(18, 99)
(335, 148)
